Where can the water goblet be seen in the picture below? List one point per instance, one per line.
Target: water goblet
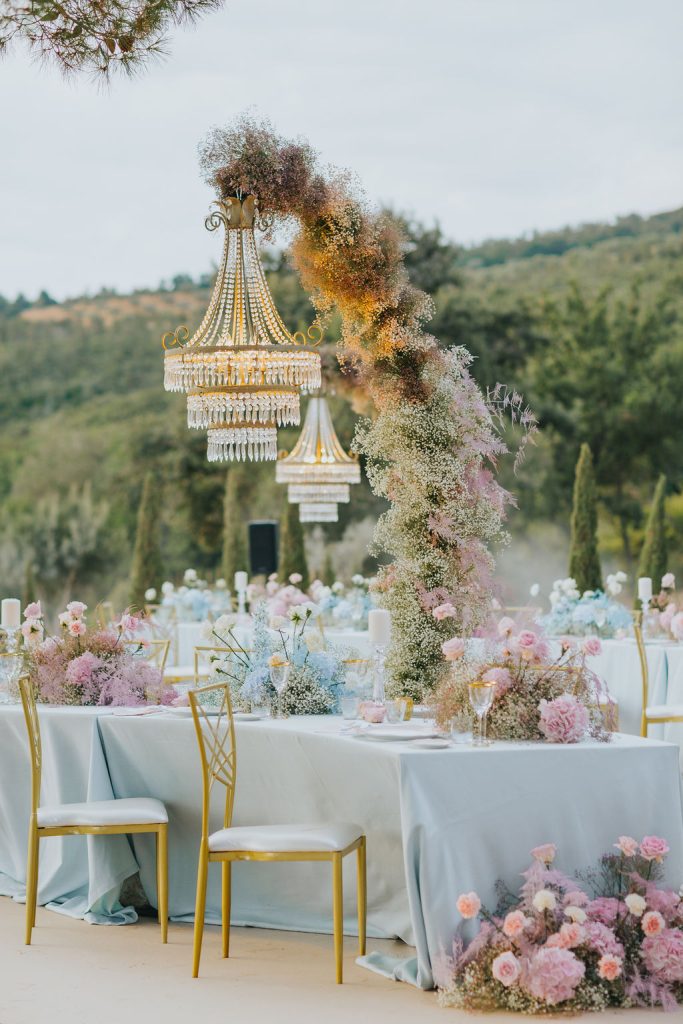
(10, 671)
(350, 706)
(279, 676)
(481, 698)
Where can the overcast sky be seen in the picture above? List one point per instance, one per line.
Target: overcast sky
(493, 116)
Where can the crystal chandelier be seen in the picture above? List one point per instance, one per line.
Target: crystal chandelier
(318, 470)
(242, 370)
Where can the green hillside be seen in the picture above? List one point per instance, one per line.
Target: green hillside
(585, 322)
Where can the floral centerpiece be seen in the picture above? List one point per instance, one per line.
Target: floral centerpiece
(86, 666)
(543, 690)
(193, 601)
(595, 612)
(564, 946)
(664, 614)
(316, 675)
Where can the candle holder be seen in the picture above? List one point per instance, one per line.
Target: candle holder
(379, 674)
(10, 667)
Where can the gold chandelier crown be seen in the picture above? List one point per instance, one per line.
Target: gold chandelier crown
(242, 370)
(318, 470)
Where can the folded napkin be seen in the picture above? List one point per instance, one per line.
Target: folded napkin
(152, 709)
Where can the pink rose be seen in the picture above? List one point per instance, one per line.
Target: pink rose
(77, 627)
(609, 967)
(563, 720)
(453, 649)
(33, 611)
(76, 609)
(505, 969)
(627, 845)
(444, 611)
(544, 854)
(652, 923)
(566, 643)
(468, 904)
(527, 638)
(553, 975)
(663, 955)
(571, 935)
(514, 924)
(668, 581)
(654, 848)
(505, 626)
(501, 677)
(129, 622)
(592, 646)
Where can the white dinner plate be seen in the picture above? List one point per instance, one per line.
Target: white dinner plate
(248, 716)
(185, 712)
(392, 733)
(432, 743)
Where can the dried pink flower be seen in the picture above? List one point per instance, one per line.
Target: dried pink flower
(563, 720)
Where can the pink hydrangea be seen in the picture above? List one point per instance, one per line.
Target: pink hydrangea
(663, 955)
(81, 669)
(604, 909)
(576, 898)
(654, 848)
(666, 901)
(592, 646)
(553, 975)
(501, 677)
(602, 939)
(563, 720)
(571, 935)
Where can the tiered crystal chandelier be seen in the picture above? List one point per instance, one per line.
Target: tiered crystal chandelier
(242, 370)
(318, 470)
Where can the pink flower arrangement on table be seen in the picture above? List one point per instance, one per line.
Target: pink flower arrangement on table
(86, 666)
(555, 948)
(544, 689)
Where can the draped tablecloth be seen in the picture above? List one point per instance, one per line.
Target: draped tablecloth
(438, 822)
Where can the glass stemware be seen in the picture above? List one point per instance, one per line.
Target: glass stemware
(10, 670)
(481, 698)
(279, 676)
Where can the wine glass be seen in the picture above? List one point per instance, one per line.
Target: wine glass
(481, 699)
(279, 676)
(10, 670)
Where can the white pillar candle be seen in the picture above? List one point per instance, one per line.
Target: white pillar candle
(241, 581)
(10, 613)
(379, 626)
(644, 588)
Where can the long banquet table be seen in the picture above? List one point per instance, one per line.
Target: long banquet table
(438, 822)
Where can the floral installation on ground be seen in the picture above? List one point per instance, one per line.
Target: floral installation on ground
(543, 691)
(563, 945)
(86, 666)
(316, 674)
(433, 447)
(595, 612)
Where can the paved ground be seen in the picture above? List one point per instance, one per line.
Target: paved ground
(97, 975)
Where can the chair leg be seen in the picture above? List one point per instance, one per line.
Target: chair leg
(338, 913)
(31, 881)
(226, 885)
(200, 907)
(162, 880)
(362, 897)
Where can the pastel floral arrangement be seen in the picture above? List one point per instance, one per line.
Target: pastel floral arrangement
(543, 689)
(555, 948)
(192, 601)
(595, 612)
(341, 604)
(316, 674)
(433, 447)
(668, 618)
(85, 666)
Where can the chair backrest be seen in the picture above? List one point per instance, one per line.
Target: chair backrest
(215, 727)
(642, 656)
(240, 655)
(155, 651)
(28, 702)
(104, 614)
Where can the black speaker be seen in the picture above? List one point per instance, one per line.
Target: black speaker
(263, 547)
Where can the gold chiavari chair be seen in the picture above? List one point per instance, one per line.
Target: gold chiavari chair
(104, 613)
(652, 714)
(267, 843)
(154, 651)
(95, 818)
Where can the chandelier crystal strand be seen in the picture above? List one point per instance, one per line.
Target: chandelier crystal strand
(242, 369)
(318, 470)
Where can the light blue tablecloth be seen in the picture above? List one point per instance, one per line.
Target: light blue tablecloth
(438, 822)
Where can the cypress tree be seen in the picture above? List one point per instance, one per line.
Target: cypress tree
(29, 592)
(584, 560)
(147, 568)
(235, 557)
(654, 554)
(292, 551)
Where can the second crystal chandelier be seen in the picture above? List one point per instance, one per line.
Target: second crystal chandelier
(242, 370)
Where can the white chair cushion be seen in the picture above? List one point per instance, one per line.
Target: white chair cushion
(139, 810)
(285, 838)
(664, 711)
